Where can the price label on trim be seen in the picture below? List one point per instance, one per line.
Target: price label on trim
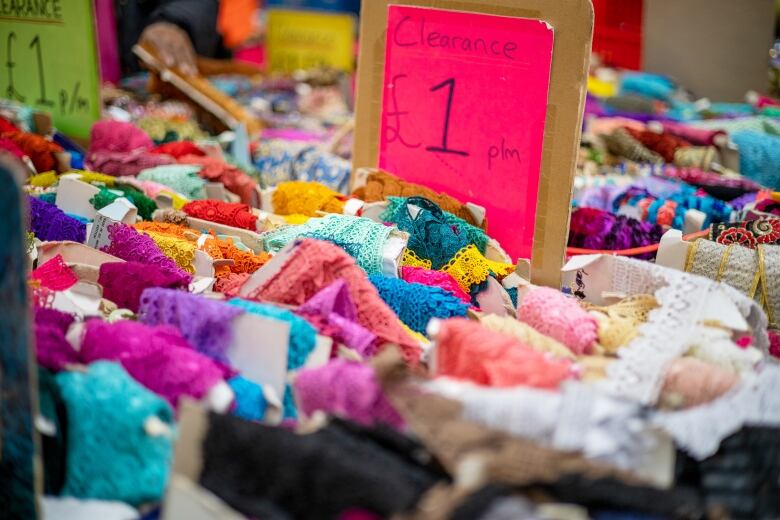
(463, 111)
(49, 60)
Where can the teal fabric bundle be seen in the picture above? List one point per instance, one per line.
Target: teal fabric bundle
(759, 157)
(111, 456)
(181, 178)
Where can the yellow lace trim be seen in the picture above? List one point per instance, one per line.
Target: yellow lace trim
(296, 219)
(525, 333)
(305, 198)
(619, 323)
(97, 178)
(411, 259)
(178, 199)
(179, 250)
(164, 228)
(469, 267)
(44, 180)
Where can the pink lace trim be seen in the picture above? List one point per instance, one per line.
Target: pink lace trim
(556, 315)
(55, 275)
(434, 279)
(315, 264)
(123, 282)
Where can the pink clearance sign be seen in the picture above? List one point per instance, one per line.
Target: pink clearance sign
(463, 111)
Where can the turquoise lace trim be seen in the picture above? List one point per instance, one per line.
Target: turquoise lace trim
(362, 238)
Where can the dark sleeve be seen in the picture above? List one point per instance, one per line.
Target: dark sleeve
(197, 17)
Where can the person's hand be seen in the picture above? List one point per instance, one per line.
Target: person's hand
(173, 46)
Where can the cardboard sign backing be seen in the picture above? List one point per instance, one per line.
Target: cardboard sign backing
(572, 23)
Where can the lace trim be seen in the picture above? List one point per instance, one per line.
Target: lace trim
(132, 246)
(470, 268)
(123, 282)
(55, 275)
(700, 430)
(243, 261)
(435, 279)
(305, 198)
(180, 250)
(229, 214)
(411, 259)
(638, 372)
(50, 223)
(181, 178)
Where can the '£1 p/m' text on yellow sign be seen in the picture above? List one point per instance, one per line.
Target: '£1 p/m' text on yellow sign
(306, 39)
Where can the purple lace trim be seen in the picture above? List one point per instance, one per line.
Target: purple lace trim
(123, 282)
(206, 324)
(52, 349)
(157, 357)
(334, 313)
(128, 244)
(49, 223)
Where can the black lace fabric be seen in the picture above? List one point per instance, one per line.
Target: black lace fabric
(320, 475)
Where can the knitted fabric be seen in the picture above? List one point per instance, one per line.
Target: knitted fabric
(363, 239)
(157, 357)
(49, 223)
(229, 214)
(348, 389)
(415, 304)
(232, 177)
(110, 454)
(466, 350)
(124, 282)
(381, 185)
(181, 178)
(145, 205)
(132, 246)
(305, 198)
(206, 324)
(313, 265)
(554, 314)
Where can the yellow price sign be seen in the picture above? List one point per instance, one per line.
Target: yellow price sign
(306, 39)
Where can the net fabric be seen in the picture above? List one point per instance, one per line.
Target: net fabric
(227, 213)
(466, 350)
(181, 178)
(381, 185)
(110, 454)
(180, 250)
(578, 418)
(144, 204)
(305, 198)
(55, 275)
(434, 279)
(526, 334)
(347, 389)
(49, 223)
(51, 348)
(124, 282)
(363, 239)
(416, 304)
(471, 269)
(232, 177)
(157, 357)
(206, 324)
(314, 264)
(556, 315)
(132, 246)
(638, 372)
(334, 314)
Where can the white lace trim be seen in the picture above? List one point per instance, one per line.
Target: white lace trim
(639, 370)
(700, 430)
